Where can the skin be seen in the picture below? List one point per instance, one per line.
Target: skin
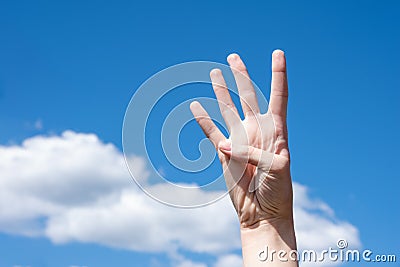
(256, 161)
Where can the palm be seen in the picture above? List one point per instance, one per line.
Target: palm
(256, 167)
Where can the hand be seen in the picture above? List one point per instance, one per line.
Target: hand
(264, 190)
(255, 158)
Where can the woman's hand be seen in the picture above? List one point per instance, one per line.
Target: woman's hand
(263, 191)
(255, 158)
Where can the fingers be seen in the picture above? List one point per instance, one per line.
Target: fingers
(247, 154)
(207, 125)
(226, 105)
(279, 86)
(248, 97)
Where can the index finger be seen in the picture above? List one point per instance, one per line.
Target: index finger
(279, 85)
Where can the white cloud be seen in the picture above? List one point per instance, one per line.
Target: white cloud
(230, 260)
(74, 187)
(136, 222)
(188, 263)
(316, 225)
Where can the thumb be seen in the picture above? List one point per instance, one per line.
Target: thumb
(247, 154)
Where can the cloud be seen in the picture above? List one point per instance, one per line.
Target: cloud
(133, 221)
(230, 260)
(45, 176)
(314, 216)
(191, 264)
(74, 187)
(188, 263)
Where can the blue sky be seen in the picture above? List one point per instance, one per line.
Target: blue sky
(75, 65)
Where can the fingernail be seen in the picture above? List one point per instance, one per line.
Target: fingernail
(225, 145)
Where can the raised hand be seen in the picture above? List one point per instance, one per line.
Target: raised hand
(255, 158)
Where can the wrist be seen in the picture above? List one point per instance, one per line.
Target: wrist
(269, 243)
